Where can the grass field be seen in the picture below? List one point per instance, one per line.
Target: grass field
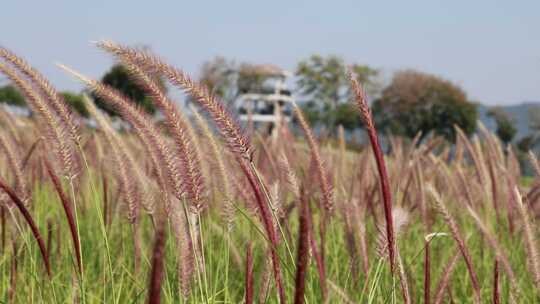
(201, 211)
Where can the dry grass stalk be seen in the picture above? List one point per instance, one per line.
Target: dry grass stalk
(360, 224)
(166, 165)
(447, 273)
(105, 193)
(10, 124)
(192, 181)
(427, 273)
(513, 164)
(465, 190)
(427, 264)
(342, 144)
(422, 196)
(458, 156)
(15, 163)
(3, 230)
(55, 129)
(496, 292)
(67, 206)
(316, 157)
(348, 215)
(185, 248)
(30, 221)
(534, 161)
(265, 281)
(143, 125)
(319, 261)
(365, 112)
(249, 275)
(30, 152)
(494, 189)
(229, 127)
(55, 99)
(217, 155)
(302, 261)
(451, 223)
(493, 143)
(480, 152)
(403, 281)
(128, 172)
(472, 152)
(503, 258)
(400, 222)
(13, 273)
(530, 238)
(400, 219)
(126, 176)
(263, 206)
(340, 292)
(290, 176)
(158, 262)
(266, 162)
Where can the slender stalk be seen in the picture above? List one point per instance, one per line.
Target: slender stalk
(55, 100)
(66, 204)
(302, 253)
(427, 274)
(249, 275)
(30, 221)
(450, 222)
(447, 272)
(503, 258)
(496, 292)
(365, 112)
(101, 222)
(530, 238)
(317, 255)
(158, 262)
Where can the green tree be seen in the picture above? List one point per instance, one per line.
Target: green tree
(324, 86)
(416, 101)
(530, 141)
(227, 79)
(10, 95)
(311, 113)
(75, 101)
(505, 126)
(119, 78)
(219, 75)
(346, 115)
(251, 77)
(527, 143)
(534, 119)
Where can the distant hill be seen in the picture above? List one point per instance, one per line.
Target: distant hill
(519, 113)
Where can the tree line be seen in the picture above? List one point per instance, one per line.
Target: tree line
(411, 103)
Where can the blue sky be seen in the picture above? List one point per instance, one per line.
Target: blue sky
(491, 48)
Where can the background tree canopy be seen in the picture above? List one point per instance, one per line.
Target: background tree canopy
(417, 102)
(219, 75)
(531, 140)
(10, 95)
(412, 102)
(505, 126)
(119, 78)
(227, 79)
(76, 103)
(324, 88)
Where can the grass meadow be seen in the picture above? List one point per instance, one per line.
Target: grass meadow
(201, 210)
